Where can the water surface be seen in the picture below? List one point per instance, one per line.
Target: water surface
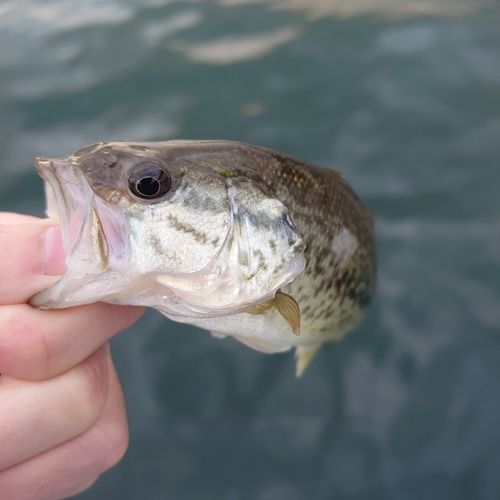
(403, 97)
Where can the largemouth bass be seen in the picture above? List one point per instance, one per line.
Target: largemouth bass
(238, 239)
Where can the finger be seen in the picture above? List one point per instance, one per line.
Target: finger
(10, 218)
(51, 411)
(74, 465)
(36, 345)
(31, 255)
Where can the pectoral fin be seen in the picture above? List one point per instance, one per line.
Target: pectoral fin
(287, 306)
(289, 309)
(303, 355)
(262, 307)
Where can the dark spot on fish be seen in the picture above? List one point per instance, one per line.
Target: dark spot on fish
(360, 297)
(157, 244)
(199, 201)
(258, 254)
(199, 236)
(342, 278)
(318, 269)
(243, 259)
(113, 165)
(331, 311)
(326, 283)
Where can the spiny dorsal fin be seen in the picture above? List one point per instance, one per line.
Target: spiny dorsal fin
(303, 356)
(287, 306)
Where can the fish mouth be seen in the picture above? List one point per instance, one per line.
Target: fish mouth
(70, 198)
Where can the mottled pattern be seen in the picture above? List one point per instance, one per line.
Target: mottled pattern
(332, 291)
(237, 224)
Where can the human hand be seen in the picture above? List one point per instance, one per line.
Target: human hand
(62, 414)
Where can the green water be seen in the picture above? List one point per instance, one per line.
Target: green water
(405, 101)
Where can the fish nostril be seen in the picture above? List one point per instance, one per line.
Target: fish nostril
(87, 150)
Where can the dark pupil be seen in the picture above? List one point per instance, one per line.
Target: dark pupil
(149, 186)
(149, 181)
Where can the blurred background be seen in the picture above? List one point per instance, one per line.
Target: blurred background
(403, 97)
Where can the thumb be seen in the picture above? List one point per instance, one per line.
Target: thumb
(31, 258)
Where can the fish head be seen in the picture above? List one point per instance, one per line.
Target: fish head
(187, 227)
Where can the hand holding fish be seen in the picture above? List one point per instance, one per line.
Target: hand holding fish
(237, 239)
(62, 416)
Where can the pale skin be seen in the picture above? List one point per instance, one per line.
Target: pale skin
(62, 414)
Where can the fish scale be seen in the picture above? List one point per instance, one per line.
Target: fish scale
(238, 239)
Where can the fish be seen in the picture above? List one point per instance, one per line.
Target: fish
(240, 240)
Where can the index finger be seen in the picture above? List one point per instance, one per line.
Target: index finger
(40, 344)
(36, 345)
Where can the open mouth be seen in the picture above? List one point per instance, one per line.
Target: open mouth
(70, 198)
(89, 228)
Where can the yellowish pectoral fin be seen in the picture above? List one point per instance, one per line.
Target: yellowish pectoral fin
(286, 305)
(262, 307)
(303, 356)
(289, 309)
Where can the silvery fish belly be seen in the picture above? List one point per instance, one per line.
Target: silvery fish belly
(234, 238)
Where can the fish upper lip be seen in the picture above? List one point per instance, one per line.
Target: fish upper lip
(48, 172)
(57, 172)
(42, 163)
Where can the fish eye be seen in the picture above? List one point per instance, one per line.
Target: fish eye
(149, 181)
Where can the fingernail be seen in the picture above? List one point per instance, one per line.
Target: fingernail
(54, 252)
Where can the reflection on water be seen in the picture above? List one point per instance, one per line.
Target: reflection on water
(401, 96)
(232, 49)
(314, 9)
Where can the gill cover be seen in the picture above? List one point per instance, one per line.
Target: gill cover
(262, 252)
